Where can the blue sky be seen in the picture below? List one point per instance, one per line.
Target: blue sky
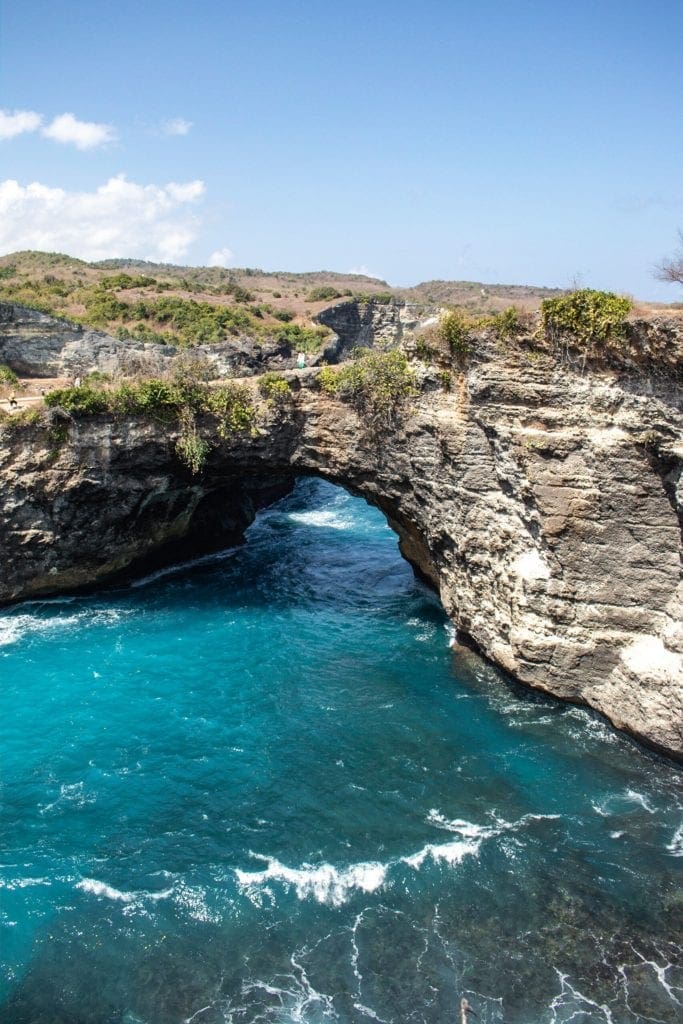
(513, 142)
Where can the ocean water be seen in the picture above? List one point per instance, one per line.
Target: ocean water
(264, 787)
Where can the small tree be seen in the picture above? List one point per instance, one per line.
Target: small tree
(672, 269)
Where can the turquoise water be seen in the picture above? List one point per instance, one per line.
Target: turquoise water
(264, 788)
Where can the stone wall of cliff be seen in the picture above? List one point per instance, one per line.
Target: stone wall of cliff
(34, 344)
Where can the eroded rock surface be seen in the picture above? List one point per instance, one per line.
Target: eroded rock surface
(543, 503)
(37, 345)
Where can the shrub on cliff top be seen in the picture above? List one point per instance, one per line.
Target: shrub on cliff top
(274, 388)
(456, 329)
(232, 406)
(592, 318)
(84, 400)
(8, 377)
(175, 402)
(507, 323)
(377, 384)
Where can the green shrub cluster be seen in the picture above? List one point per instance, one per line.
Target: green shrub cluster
(382, 298)
(142, 332)
(377, 384)
(454, 335)
(274, 388)
(84, 400)
(592, 318)
(456, 329)
(123, 281)
(177, 401)
(303, 339)
(46, 295)
(189, 321)
(232, 407)
(14, 421)
(8, 377)
(323, 293)
(507, 324)
(192, 448)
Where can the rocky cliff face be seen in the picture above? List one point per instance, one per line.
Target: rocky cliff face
(37, 345)
(364, 324)
(543, 503)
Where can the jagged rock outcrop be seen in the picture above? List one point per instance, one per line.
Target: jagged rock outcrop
(543, 503)
(364, 324)
(34, 344)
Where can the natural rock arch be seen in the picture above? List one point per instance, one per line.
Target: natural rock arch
(541, 504)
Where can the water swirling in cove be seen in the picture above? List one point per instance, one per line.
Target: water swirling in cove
(263, 788)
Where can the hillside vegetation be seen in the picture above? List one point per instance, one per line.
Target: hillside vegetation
(187, 305)
(184, 306)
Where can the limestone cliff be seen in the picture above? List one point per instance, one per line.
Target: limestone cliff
(37, 345)
(544, 503)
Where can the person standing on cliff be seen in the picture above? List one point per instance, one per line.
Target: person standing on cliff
(301, 360)
(13, 404)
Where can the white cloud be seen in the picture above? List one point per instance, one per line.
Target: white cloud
(176, 126)
(17, 122)
(221, 257)
(82, 134)
(120, 218)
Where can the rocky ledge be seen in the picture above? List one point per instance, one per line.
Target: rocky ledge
(542, 501)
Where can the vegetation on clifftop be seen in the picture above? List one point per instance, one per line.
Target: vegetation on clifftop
(377, 384)
(592, 319)
(176, 402)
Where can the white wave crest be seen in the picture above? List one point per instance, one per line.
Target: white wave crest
(450, 853)
(464, 828)
(613, 804)
(638, 798)
(452, 634)
(92, 885)
(23, 883)
(323, 518)
(324, 882)
(675, 847)
(471, 836)
(70, 795)
(472, 831)
(334, 886)
(15, 627)
(97, 888)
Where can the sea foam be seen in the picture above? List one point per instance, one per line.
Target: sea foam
(334, 886)
(15, 627)
(323, 882)
(323, 518)
(675, 847)
(102, 889)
